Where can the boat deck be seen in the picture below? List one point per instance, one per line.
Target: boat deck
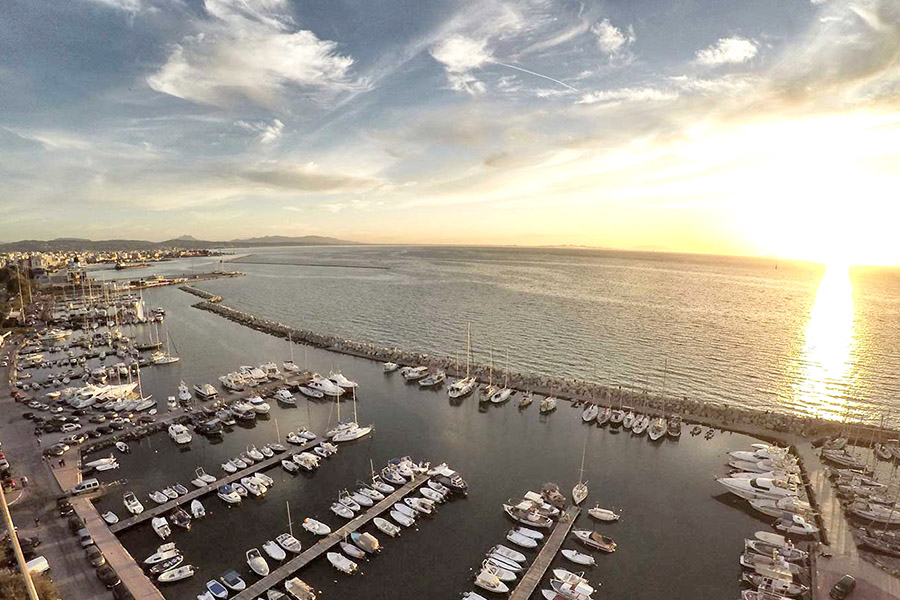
(198, 492)
(532, 577)
(327, 542)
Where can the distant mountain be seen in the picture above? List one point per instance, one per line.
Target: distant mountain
(185, 241)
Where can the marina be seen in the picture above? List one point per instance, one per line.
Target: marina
(535, 573)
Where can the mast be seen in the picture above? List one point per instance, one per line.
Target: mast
(583, 452)
(506, 371)
(491, 371)
(355, 418)
(291, 344)
(468, 345)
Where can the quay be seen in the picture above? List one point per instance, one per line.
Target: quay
(323, 545)
(532, 577)
(197, 493)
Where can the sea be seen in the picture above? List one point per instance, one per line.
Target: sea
(722, 329)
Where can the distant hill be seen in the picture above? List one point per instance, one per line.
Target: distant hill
(185, 241)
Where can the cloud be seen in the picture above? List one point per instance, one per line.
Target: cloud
(460, 55)
(249, 50)
(727, 51)
(611, 40)
(267, 133)
(628, 94)
(131, 6)
(309, 178)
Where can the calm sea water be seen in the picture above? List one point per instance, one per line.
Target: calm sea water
(680, 537)
(772, 334)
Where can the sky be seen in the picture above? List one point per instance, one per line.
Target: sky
(759, 127)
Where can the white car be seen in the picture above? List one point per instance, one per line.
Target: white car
(70, 427)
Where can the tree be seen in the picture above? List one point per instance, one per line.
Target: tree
(13, 586)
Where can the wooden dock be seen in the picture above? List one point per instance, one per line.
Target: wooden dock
(326, 543)
(198, 492)
(535, 572)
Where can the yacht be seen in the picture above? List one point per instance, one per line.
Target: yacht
(179, 433)
(233, 382)
(758, 487)
(253, 372)
(548, 405)
(206, 392)
(309, 392)
(462, 387)
(284, 396)
(414, 373)
(595, 540)
(390, 367)
(165, 552)
(226, 493)
(603, 514)
(640, 425)
(325, 386)
(259, 405)
(161, 527)
(338, 378)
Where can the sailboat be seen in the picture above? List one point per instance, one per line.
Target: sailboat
(580, 491)
(464, 387)
(164, 358)
(503, 394)
(289, 365)
(487, 392)
(350, 431)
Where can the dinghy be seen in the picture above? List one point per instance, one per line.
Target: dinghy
(509, 553)
(511, 566)
(490, 582)
(289, 543)
(274, 551)
(176, 574)
(536, 535)
(385, 526)
(342, 563)
(316, 527)
(299, 589)
(352, 551)
(520, 540)
(401, 518)
(578, 558)
(110, 517)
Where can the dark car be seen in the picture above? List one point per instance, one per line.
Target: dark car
(108, 576)
(105, 429)
(93, 433)
(75, 524)
(28, 415)
(65, 507)
(843, 587)
(120, 592)
(94, 555)
(55, 450)
(119, 425)
(79, 412)
(97, 419)
(28, 545)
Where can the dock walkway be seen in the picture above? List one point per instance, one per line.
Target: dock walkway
(198, 492)
(536, 571)
(326, 543)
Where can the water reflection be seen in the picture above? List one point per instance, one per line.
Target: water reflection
(825, 381)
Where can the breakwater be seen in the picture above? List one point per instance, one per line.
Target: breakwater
(201, 294)
(769, 424)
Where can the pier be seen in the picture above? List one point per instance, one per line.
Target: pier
(326, 543)
(197, 493)
(532, 577)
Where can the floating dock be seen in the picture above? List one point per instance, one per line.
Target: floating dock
(197, 493)
(326, 543)
(535, 572)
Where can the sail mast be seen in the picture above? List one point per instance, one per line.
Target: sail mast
(468, 345)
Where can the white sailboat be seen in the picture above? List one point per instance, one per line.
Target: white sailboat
(290, 366)
(503, 394)
(487, 392)
(465, 386)
(580, 491)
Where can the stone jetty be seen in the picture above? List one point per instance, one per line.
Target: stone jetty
(734, 418)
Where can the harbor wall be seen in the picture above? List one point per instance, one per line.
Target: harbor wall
(776, 426)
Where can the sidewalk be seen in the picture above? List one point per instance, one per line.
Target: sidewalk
(72, 573)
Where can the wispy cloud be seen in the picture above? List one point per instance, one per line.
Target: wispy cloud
(611, 40)
(461, 55)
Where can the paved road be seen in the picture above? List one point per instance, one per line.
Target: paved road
(73, 575)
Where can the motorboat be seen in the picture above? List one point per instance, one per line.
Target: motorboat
(257, 563)
(289, 543)
(590, 413)
(499, 561)
(603, 514)
(548, 405)
(362, 499)
(342, 563)
(180, 489)
(778, 586)
(490, 582)
(233, 581)
(123, 447)
(306, 434)
(259, 405)
(180, 518)
(240, 463)
(167, 565)
(341, 510)
(379, 485)
(165, 552)
(327, 387)
(508, 553)
(392, 475)
(176, 574)
(284, 396)
(789, 552)
(580, 591)
(229, 467)
(161, 527)
(170, 493)
(758, 487)
(299, 589)
(796, 525)
(110, 517)
(402, 518)
(233, 382)
(570, 578)
(751, 560)
(498, 571)
(595, 540)
(776, 508)
(197, 509)
(386, 527)
(640, 425)
(414, 373)
(352, 551)
(432, 495)
(578, 558)
(204, 476)
(527, 516)
(535, 535)
(228, 494)
(316, 527)
(390, 367)
(306, 460)
(657, 428)
(216, 589)
(310, 392)
(290, 466)
(253, 486)
(520, 540)
(179, 433)
(158, 497)
(206, 392)
(338, 378)
(422, 505)
(276, 447)
(254, 453)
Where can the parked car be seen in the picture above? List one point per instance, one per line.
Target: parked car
(84, 538)
(120, 592)
(94, 555)
(843, 588)
(97, 419)
(65, 507)
(108, 576)
(75, 524)
(70, 427)
(56, 450)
